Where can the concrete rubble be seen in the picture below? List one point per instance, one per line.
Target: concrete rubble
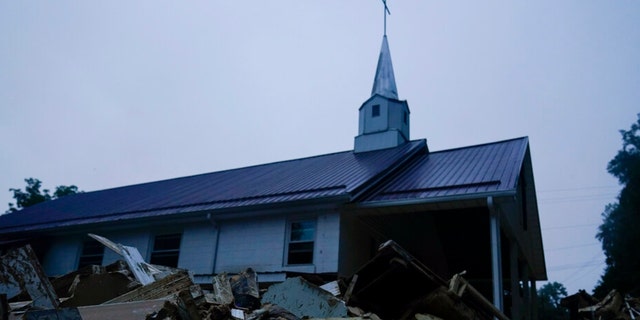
(392, 285)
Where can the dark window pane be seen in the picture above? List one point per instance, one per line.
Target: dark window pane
(166, 250)
(167, 242)
(300, 253)
(92, 253)
(169, 259)
(375, 110)
(302, 231)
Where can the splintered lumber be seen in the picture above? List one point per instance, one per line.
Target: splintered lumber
(93, 289)
(272, 312)
(136, 310)
(169, 285)
(131, 256)
(471, 296)
(222, 293)
(576, 301)
(20, 271)
(245, 289)
(390, 281)
(62, 284)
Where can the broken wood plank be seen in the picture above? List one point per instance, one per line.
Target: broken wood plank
(463, 289)
(141, 270)
(136, 310)
(62, 284)
(164, 287)
(245, 289)
(391, 280)
(92, 289)
(331, 287)
(222, 293)
(20, 271)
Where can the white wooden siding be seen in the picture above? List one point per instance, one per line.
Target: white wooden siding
(257, 243)
(197, 248)
(326, 248)
(62, 256)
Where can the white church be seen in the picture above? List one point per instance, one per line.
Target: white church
(470, 208)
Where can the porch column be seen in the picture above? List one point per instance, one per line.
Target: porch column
(527, 293)
(534, 300)
(516, 301)
(496, 259)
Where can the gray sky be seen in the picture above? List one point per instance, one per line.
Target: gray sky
(102, 94)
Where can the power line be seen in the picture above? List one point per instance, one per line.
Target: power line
(590, 197)
(572, 227)
(581, 188)
(573, 247)
(585, 270)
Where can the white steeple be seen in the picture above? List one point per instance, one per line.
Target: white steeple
(384, 83)
(384, 119)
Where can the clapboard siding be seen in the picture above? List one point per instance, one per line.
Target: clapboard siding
(327, 243)
(62, 256)
(257, 243)
(197, 248)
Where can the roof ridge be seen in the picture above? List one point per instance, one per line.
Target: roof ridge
(482, 144)
(216, 172)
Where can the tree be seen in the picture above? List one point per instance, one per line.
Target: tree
(620, 229)
(549, 296)
(33, 195)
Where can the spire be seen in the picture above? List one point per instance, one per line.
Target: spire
(384, 83)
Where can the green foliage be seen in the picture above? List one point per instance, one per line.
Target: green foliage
(549, 296)
(620, 229)
(33, 195)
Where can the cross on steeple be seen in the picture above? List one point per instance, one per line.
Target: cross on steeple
(386, 11)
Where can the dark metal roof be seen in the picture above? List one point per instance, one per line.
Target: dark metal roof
(480, 169)
(337, 174)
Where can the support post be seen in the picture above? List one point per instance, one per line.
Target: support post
(527, 293)
(516, 301)
(534, 300)
(496, 259)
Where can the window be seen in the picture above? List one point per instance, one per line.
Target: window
(375, 110)
(166, 250)
(92, 253)
(301, 237)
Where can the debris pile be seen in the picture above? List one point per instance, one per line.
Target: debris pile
(613, 307)
(392, 285)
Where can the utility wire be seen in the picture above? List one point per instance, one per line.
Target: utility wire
(586, 268)
(582, 188)
(573, 247)
(572, 227)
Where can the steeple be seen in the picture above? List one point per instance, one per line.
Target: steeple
(384, 83)
(384, 119)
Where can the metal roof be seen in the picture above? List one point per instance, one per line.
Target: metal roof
(479, 169)
(337, 174)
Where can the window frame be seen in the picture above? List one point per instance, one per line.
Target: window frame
(87, 258)
(161, 254)
(289, 242)
(375, 111)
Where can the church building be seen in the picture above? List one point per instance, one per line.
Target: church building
(470, 208)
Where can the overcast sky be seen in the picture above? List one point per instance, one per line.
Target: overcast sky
(102, 94)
